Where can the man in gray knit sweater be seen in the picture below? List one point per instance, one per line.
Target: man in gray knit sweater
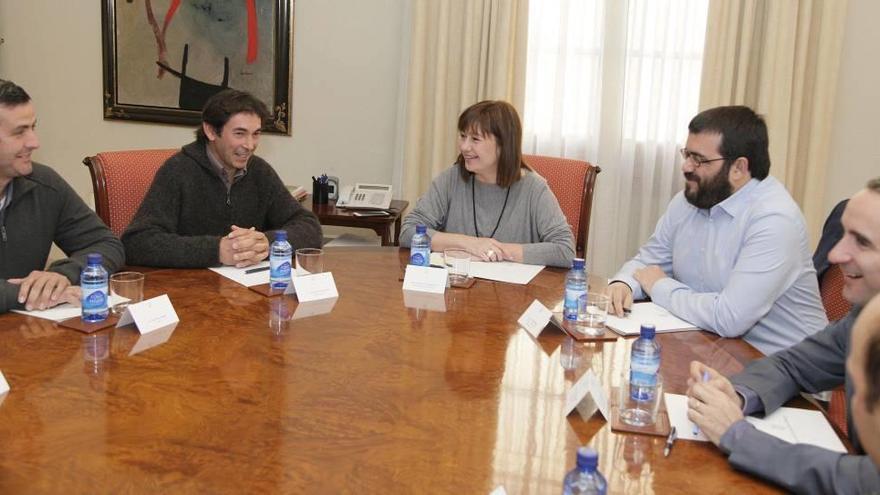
(213, 202)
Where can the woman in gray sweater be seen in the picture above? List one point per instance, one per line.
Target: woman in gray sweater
(490, 203)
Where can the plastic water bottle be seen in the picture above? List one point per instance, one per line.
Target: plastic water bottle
(280, 255)
(585, 478)
(95, 292)
(644, 365)
(420, 247)
(575, 286)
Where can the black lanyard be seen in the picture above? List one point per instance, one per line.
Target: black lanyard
(474, 206)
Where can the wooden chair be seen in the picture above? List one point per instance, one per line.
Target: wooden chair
(572, 182)
(120, 180)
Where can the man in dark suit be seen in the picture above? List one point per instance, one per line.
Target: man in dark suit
(817, 363)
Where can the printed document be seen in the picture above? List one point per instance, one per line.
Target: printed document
(799, 426)
(647, 312)
(241, 276)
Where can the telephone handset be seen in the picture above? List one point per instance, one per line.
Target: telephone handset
(365, 196)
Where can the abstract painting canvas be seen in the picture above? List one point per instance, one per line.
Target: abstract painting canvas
(164, 58)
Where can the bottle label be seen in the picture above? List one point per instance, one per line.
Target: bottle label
(279, 268)
(94, 297)
(419, 258)
(570, 306)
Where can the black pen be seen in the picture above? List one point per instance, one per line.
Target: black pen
(256, 270)
(670, 440)
(627, 311)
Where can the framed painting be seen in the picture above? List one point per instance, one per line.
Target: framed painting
(164, 58)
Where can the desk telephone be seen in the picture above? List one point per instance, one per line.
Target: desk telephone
(365, 196)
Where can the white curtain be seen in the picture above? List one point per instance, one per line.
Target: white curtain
(615, 83)
(781, 58)
(461, 52)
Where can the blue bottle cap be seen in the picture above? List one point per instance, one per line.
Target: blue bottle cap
(94, 258)
(578, 263)
(647, 331)
(280, 235)
(421, 229)
(587, 458)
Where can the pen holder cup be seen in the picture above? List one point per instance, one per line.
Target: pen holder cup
(320, 193)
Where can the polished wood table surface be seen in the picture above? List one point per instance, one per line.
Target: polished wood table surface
(370, 397)
(329, 214)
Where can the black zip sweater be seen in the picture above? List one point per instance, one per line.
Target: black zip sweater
(188, 210)
(45, 209)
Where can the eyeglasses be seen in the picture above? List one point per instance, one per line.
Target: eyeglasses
(698, 159)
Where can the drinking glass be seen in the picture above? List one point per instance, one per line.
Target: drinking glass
(592, 313)
(639, 405)
(129, 285)
(458, 263)
(309, 261)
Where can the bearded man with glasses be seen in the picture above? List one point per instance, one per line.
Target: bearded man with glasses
(731, 254)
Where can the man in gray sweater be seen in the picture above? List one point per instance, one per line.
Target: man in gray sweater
(37, 208)
(213, 202)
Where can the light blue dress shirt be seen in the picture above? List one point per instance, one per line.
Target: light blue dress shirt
(743, 268)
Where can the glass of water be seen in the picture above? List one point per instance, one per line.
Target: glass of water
(592, 313)
(638, 405)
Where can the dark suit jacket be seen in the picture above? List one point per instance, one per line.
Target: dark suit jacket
(817, 363)
(832, 232)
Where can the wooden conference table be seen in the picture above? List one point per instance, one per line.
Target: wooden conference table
(372, 397)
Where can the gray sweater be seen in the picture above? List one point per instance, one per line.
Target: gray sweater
(188, 209)
(45, 209)
(532, 216)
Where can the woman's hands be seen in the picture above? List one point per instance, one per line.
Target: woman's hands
(480, 248)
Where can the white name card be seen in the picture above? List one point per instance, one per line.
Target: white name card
(4, 386)
(588, 384)
(150, 315)
(535, 318)
(425, 279)
(315, 287)
(499, 490)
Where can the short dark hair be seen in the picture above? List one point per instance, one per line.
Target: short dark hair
(872, 371)
(223, 105)
(743, 134)
(12, 94)
(499, 119)
(874, 184)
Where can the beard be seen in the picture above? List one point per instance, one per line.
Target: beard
(710, 191)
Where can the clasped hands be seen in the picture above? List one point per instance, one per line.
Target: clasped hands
(713, 404)
(44, 290)
(243, 247)
(489, 249)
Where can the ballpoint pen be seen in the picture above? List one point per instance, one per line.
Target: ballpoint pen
(257, 270)
(670, 440)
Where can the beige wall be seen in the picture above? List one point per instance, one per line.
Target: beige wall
(855, 141)
(345, 75)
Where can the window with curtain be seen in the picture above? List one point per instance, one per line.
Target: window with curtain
(615, 83)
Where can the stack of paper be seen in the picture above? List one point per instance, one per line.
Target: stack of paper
(65, 311)
(500, 271)
(790, 424)
(648, 313)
